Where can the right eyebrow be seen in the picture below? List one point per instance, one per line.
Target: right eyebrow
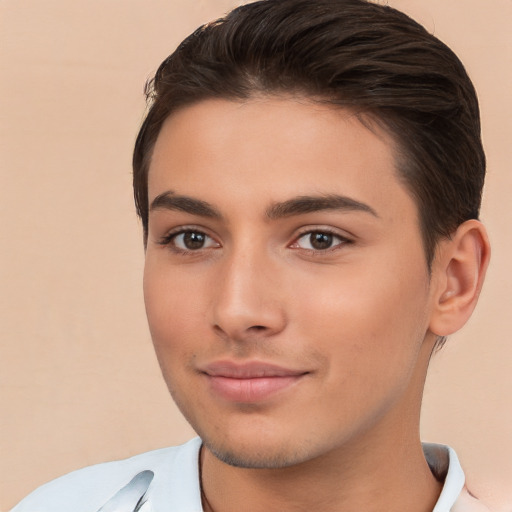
(169, 200)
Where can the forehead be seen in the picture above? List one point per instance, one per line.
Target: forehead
(273, 148)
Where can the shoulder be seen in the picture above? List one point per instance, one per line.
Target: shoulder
(87, 489)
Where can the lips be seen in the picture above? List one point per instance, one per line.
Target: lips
(251, 381)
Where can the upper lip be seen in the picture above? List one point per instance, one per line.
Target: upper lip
(248, 370)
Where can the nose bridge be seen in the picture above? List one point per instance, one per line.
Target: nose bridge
(247, 298)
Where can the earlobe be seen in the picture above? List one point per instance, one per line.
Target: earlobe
(458, 275)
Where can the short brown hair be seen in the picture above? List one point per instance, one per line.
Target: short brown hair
(355, 54)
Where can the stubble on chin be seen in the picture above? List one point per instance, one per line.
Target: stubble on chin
(257, 458)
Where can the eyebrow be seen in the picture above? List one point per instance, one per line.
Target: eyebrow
(171, 201)
(301, 205)
(309, 204)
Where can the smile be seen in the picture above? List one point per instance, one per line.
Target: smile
(250, 382)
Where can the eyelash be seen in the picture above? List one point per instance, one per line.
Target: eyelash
(343, 240)
(169, 238)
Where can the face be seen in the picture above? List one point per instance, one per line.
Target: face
(285, 282)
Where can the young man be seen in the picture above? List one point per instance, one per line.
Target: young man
(309, 178)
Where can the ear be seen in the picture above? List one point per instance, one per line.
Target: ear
(458, 273)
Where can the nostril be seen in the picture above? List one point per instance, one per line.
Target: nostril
(218, 329)
(258, 327)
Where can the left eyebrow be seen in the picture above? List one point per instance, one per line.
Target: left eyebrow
(309, 204)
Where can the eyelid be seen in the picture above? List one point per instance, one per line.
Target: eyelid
(344, 238)
(166, 240)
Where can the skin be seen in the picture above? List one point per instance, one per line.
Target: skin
(230, 276)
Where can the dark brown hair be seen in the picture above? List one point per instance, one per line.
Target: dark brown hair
(353, 54)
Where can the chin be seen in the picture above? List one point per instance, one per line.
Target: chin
(257, 455)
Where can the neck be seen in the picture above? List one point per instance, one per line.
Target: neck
(364, 477)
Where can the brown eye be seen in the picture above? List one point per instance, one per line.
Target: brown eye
(319, 241)
(192, 241)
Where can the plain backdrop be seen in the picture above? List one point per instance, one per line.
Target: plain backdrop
(79, 381)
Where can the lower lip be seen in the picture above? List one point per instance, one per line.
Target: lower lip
(251, 390)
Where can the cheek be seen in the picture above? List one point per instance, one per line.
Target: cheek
(173, 313)
(370, 319)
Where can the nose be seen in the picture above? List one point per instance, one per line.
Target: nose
(247, 304)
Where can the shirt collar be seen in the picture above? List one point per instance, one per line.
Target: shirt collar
(445, 466)
(177, 484)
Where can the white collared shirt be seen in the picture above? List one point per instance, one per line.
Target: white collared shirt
(175, 486)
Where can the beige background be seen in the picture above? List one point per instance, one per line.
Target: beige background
(79, 382)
